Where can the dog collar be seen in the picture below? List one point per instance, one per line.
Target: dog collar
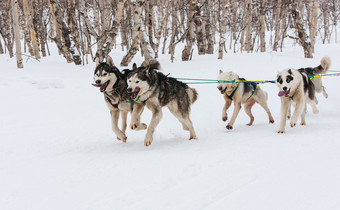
(112, 104)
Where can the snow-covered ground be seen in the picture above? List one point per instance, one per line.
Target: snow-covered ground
(57, 150)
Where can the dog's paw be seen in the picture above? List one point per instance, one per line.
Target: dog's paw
(315, 111)
(229, 127)
(147, 142)
(122, 138)
(225, 118)
(292, 124)
(280, 131)
(271, 121)
(192, 137)
(303, 123)
(134, 125)
(142, 126)
(325, 95)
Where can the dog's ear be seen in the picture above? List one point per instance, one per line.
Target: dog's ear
(97, 61)
(220, 72)
(109, 61)
(134, 66)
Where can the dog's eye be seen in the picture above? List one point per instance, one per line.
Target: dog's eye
(129, 80)
(289, 78)
(104, 74)
(137, 81)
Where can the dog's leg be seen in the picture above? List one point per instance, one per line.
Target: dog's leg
(285, 104)
(265, 107)
(303, 114)
(184, 120)
(247, 109)
(116, 130)
(124, 117)
(237, 108)
(313, 103)
(299, 108)
(225, 108)
(324, 92)
(135, 117)
(156, 117)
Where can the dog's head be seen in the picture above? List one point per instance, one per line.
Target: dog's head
(287, 81)
(105, 75)
(138, 81)
(223, 84)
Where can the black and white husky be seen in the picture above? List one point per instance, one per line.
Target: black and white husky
(295, 86)
(155, 90)
(246, 93)
(113, 84)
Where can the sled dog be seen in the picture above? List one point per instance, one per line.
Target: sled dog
(152, 88)
(247, 93)
(112, 83)
(295, 87)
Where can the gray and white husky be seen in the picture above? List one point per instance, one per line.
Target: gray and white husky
(246, 93)
(155, 90)
(295, 87)
(113, 84)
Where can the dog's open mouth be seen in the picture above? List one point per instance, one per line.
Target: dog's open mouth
(135, 93)
(102, 86)
(284, 93)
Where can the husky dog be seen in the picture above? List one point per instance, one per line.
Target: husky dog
(296, 87)
(112, 83)
(246, 93)
(155, 90)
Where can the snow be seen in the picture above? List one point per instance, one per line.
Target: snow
(57, 150)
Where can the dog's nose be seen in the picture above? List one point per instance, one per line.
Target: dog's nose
(284, 88)
(219, 87)
(98, 82)
(129, 90)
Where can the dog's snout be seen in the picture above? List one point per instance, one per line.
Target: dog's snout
(219, 87)
(284, 88)
(98, 82)
(129, 90)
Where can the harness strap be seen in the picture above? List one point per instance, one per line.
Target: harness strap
(232, 94)
(114, 105)
(254, 89)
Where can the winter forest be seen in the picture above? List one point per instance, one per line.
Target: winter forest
(85, 29)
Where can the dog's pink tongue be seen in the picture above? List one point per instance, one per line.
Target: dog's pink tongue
(137, 89)
(282, 93)
(96, 85)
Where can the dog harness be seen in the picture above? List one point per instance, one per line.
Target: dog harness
(114, 105)
(232, 94)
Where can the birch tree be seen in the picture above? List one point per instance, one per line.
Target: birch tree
(16, 29)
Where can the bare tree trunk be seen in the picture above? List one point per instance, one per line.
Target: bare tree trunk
(223, 23)
(313, 22)
(248, 23)
(325, 13)
(262, 25)
(135, 33)
(190, 36)
(1, 48)
(174, 29)
(16, 30)
(208, 27)
(277, 25)
(200, 31)
(30, 26)
(299, 27)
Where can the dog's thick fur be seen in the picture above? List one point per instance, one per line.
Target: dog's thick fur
(113, 84)
(296, 87)
(247, 93)
(155, 90)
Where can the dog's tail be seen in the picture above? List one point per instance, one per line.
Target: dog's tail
(193, 95)
(325, 63)
(152, 64)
